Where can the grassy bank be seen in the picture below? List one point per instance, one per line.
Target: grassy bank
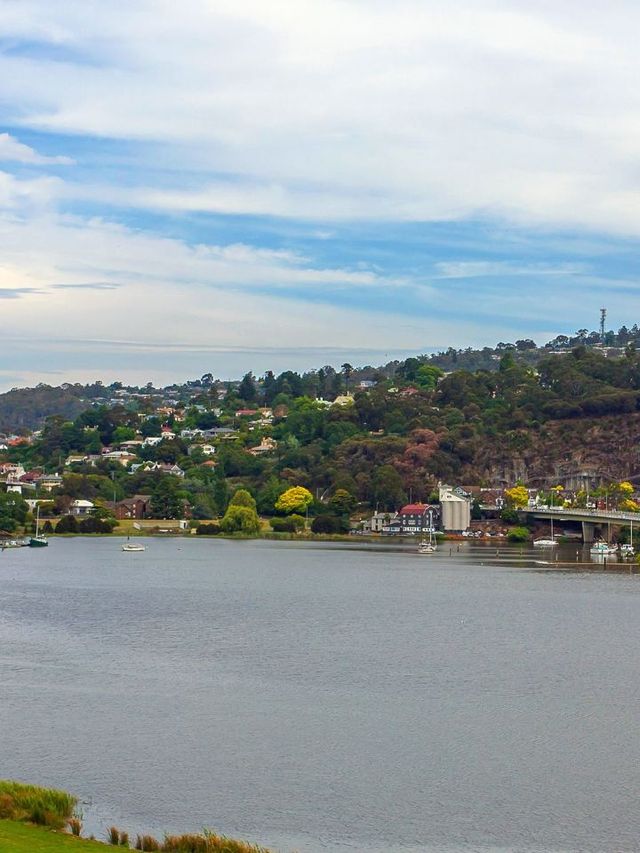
(34, 820)
(26, 838)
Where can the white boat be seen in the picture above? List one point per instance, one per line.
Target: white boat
(427, 546)
(546, 543)
(602, 548)
(38, 541)
(133, 546)
(627, 550)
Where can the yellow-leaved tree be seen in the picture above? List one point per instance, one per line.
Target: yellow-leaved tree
(518, 496)
(295, 499)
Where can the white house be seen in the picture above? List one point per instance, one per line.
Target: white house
(81, 507)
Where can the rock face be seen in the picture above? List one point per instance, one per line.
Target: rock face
(572, 452)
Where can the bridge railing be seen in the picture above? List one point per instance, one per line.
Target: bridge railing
(593, 513)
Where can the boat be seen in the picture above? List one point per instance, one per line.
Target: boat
(38, 541)
(133, 546)
(546, 543)
(427, 546)
(627, 550)
(602, 549)
(11, 543)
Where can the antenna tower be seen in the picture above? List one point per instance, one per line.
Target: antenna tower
(603, 317)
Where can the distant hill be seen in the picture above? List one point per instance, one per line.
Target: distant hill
(27, 408)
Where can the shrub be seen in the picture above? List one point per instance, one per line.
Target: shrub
(510, 516)
(518, 534)
(210, 529)
(326, 524)
(75, 825)
(283, 525)
(96, 525)
(67, 524)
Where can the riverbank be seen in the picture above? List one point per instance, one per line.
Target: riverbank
(45, 820)
(27, 838)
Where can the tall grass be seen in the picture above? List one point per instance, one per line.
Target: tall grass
(208, 842)
(45, 806)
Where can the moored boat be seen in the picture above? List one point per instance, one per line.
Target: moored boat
(37, 541)
(602, 549)
(133, 546)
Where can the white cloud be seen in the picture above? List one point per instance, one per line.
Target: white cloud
(13, 150)
(347, 109)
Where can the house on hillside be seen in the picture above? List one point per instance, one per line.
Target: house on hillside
(136, 507)
(81, 507)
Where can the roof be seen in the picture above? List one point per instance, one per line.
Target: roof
(414, 509)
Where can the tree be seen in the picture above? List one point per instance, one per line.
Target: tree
(342, 502)
(247, 390)
(295, 499)
(517, 497)
(166, 500)
(243, 498)
(347, 370)
(240, 519)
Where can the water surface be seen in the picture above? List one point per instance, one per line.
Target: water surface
(326, 698)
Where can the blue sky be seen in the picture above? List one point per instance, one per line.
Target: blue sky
(214, 186)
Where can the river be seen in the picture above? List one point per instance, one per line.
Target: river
(333, 698)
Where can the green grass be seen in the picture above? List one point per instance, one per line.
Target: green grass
(44, 806)
(25, 838)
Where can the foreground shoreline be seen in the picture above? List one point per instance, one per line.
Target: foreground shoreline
(46, 820)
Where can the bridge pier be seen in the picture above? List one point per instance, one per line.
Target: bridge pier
(588, 531)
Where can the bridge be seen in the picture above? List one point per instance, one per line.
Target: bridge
(589, 518)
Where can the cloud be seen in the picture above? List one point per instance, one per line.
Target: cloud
(401, 111)
(16, 292)
(12, 149)
(87, 285)
(502, 269)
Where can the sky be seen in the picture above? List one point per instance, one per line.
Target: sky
(218, 186)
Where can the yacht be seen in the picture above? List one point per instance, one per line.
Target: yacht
(546, 543)
(133, 546)
(602, 548)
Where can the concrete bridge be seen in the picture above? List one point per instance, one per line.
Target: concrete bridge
(589, 518)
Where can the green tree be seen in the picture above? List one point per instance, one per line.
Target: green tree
(166, 499)
(243, 498)
(342, 502)
(247, 390)
(240, 519)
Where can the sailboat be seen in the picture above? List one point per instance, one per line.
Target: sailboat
(133, 547)
(38, 541)
(627, 550)
(427, 546)
(546, 543)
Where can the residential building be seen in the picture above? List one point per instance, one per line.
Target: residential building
(414, 520)
(81, 508)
